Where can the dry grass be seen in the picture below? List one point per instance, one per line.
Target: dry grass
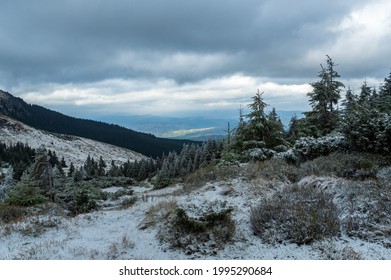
(159, 212)
(272, 170)
(210, 173)
(11, 213)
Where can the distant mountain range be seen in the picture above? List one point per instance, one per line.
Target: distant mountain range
(194, 128)
(42, 118)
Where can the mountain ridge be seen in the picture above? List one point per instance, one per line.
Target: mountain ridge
(72, 148)
(48, 120)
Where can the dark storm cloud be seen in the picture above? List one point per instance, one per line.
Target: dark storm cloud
(62, 50)
(62, 41)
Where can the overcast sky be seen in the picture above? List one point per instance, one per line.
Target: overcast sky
(186, 57)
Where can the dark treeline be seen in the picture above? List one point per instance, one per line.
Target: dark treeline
(20, 156)
(164, 169)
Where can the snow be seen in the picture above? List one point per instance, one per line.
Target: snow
(117, 234)
(73, 149)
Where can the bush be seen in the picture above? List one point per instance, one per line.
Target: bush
(273, 169)
(162, 180)
(128, 202)
(26, 194)
(298, 215)
(367, 210)
(85, 199)
(11, 213)
(158, 213)
(210, 173)
(205, 234)
(308, 148)
(346, 165)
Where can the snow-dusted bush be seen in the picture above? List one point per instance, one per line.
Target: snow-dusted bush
(368, 214)
(11, 213)
(85, 199)
(259, 154)
(210, 173)
(205, 234)
(272, 169)
(299, 215)
(352, 165)
(307, 148)
(26, 193)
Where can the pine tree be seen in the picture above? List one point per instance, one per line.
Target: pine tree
(365, 124)
(365, 94)
(71, 170)
(255, 130)
(101, 167)
(276, 136)
(385, 95)
(323, 98)
(261, 130)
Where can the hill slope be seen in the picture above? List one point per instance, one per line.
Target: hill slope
(73, 149)
(48, 120)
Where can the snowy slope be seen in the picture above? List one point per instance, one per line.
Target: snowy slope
(120, 234)
(73, 149)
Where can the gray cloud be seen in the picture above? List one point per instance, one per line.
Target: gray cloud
(81, 43)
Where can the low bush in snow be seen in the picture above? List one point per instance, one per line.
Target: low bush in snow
(11, 213)
(204, 234)
(26, 193)
(158, 213)
(296, 214)
(127, 202)
(367, 210)
(85, 199)
(272, 169)
(210, 173)
(356, 166)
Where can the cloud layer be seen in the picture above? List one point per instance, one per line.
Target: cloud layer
(174, 56)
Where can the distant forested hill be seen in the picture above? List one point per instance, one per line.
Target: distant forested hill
(45, 119)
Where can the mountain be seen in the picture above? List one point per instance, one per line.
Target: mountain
(73, 149)
(191, 128)
(196, 128)
(42, 118)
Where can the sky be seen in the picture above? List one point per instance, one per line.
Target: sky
(186, 58)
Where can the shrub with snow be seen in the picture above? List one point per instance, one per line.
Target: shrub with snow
(204, 234)
(299, 215)
(307, 148)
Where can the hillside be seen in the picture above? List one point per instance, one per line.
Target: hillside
(51, 121)
(73, 149)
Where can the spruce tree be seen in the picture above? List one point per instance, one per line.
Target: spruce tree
(323, 99)
(385, 95)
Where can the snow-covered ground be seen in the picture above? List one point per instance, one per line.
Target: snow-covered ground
(73, 149)
(112, 233)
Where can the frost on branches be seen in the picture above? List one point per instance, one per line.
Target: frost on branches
(307, 148)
